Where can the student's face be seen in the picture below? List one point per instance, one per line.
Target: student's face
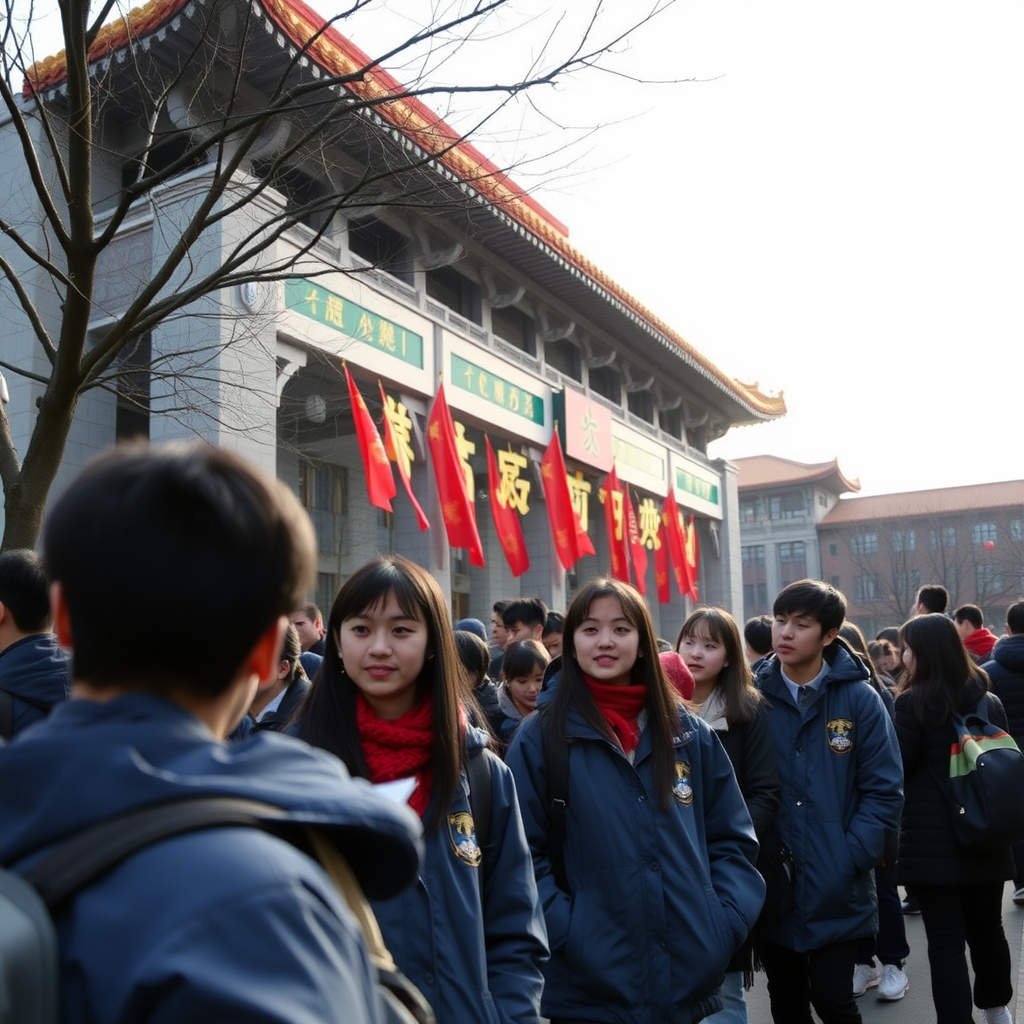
(798, 643)
(309, 630)
(553, 642)
(521, 631)
(606, 643)
(383, 651)
(524, 689)
(888, 662)
(704, 656)
(498, 634)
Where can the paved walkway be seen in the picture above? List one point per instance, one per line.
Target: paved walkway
(916, 1006)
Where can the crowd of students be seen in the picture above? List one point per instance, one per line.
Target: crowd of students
(569, 817)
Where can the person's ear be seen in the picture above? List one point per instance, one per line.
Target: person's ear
(59, 614)
(4, 614)
(264, 660)
(828, 637)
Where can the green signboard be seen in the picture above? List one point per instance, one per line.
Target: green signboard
(347, 317)
(697, 486)
(496, 390)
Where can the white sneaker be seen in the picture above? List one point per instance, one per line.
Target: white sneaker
(893, 984)
(1018, 896)
(865, 976)
(998, 1015)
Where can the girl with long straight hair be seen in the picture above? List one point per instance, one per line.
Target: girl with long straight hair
(387, 701)
(652, 887)
(959, 891)
(724, 694)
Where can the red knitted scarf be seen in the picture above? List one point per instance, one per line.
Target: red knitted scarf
(621, 706)
(401, 748)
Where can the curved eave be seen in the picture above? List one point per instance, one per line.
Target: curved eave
(537, 240)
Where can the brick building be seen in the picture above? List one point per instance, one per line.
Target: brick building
(879, 550)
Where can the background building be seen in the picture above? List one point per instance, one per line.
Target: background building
(879, 550)
(781, 503)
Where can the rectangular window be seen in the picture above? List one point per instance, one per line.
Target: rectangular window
(865, 588)
(747, 512)
(455, 291)
(864, 543)
(515, 327)
(792, 562)
(564, 357)
(753, 554)
(987, 581)
(1017, 530)
(903, 540)
(983, 533)
(322, 491)
(833, 550)
(942, 538)
(326, 590)
(382, 247)
(908, 582)
(835, 581)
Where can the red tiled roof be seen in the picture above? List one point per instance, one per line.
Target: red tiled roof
(765, 470)
(339, 56)
(942, 501)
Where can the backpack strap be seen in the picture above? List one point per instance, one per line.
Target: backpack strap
(478, 773)
(556, 765)
(6, 714)
(84, 857)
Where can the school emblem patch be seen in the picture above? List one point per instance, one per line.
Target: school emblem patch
(681, 788)
(462, 831)
(840, 735)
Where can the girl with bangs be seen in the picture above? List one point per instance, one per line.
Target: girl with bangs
(387, 702)
(645, 864)
(725, 696)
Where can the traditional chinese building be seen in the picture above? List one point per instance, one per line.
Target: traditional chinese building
(481, 289)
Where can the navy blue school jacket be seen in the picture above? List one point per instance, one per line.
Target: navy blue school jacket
(473, 945)
(659, 899)
(225, 924)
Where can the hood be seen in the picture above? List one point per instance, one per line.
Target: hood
(36, 669)
(1009, 653)
(508, 705)
(90, 761)
(843, 665)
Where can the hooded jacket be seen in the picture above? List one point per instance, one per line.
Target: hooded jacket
(470, 935)
(841, 793)
(34, 671)
(1006, 674)
(221, 924)
(659, 898)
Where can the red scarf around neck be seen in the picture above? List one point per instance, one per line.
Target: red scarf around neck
(401, 748)
(621, 706)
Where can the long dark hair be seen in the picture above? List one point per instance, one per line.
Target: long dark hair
(663, 700)
(327, 718)
(735, 682)
(942, 667)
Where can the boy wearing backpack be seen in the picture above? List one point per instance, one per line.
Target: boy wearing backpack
(223, 923)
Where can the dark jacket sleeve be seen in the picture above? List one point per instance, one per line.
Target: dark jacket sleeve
(759, 779)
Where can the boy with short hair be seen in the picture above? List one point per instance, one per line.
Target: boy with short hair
(841, 792)
(524, 619)
(226, 923)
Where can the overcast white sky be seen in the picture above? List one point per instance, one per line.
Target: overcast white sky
(834, 209)
(837, 212)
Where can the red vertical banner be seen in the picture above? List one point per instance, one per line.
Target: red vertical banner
(571, 540)
(661, 565)
(395, 447)
(380, 484)
(615, 521)
(456, 505)
(637, 552)
(692, 556)
(506, 521)
(672, 520)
